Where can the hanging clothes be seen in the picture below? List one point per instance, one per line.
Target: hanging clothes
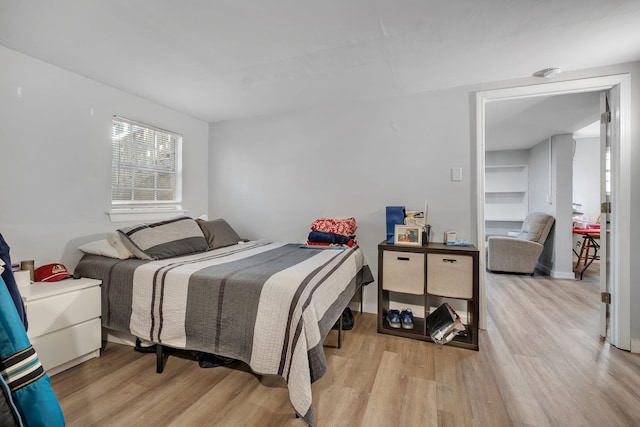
(10, 282)
(22, 372)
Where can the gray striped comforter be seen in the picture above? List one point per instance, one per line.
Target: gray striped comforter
(268, 304)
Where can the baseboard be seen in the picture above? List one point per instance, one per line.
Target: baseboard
(635, 346)
(563, 275)
(543, 268)
(118, 337)
(556, 274)
(72, 363)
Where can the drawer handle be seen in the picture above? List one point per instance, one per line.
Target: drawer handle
(449, 260)
(403, 258)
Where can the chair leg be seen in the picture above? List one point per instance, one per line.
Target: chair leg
(587, 252)
(582, 257)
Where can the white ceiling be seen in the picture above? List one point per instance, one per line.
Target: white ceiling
(522, 123)
(225, 59)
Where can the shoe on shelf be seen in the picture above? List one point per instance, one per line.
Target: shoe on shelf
(406, 318)
(393, 317)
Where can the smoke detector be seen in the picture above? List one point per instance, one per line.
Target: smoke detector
(548, 73)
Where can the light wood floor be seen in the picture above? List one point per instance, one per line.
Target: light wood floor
(541, 363)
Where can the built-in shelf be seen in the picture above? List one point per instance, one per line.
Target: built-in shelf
(506, 193)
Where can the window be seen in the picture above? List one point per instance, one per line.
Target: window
(145, 167)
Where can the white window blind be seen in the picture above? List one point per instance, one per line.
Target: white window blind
(144, 167)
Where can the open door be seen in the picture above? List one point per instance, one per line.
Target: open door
(605, 208)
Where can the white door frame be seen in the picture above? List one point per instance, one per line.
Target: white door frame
(620, 185)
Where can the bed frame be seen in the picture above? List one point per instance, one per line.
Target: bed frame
(162, 351)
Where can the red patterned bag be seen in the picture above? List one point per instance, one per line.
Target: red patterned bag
(344, 227)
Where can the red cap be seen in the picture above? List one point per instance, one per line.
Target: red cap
(51, 273)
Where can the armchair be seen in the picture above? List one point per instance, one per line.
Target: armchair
(520, 254)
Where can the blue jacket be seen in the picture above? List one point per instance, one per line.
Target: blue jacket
(22, 372)
(10, 282)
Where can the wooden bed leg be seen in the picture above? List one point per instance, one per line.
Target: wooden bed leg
(159, 359)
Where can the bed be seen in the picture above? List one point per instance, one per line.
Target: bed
(267, 304)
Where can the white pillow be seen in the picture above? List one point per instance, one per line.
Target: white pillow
(114, 240)
(100, 247)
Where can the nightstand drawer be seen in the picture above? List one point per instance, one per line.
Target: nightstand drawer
(67, 344)
(450, 275)
(60, 311)
(403, 272)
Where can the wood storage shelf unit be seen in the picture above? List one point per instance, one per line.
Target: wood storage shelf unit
(423, 278)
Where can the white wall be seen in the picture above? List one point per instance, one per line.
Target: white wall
(269, 176)
(506, 157)
(634, 232)
(586, 176)
(272, 176)
(539, 178)
(433, 128)
(550, 188)
(55, 157)
(562, 184)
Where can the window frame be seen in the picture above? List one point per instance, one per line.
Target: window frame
(127, 210)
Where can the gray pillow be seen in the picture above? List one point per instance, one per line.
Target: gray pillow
(218, 233)
(165, 239)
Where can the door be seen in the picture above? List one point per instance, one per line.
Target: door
(605, 207)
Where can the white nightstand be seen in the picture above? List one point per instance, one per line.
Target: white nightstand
(64, 321)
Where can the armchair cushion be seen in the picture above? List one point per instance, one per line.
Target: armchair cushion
(514, 255)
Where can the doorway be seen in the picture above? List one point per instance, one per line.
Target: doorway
(620, 180)
(586, 201)
(530, 153)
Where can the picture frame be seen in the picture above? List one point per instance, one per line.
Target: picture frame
(408, 235)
